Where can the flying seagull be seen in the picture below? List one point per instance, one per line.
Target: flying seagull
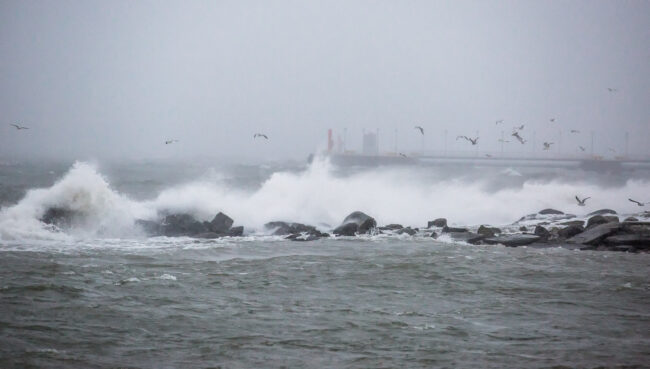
(638, 203)
(521, 127)
(19, 127)
(488, 155)
(575, 131)
(547, 145)
(170, 142)
(552, 120)
(473, 141)
(519, 138)
(499, 121)
(420, 128)
(403, 155)
(611, 89)
(260, 135)
(582, 202)
(582, 148)
(502, 140)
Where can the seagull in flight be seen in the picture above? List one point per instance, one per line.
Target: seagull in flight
(473, 141)
(19, 127)
(488, 155)
(403, 155)
(582, 148)
(502, 140)
(521, 127)
(168, 142)
(519, 138)
(611, 89)
(582, 202)
(260, 135)
(575, 131)
(638, 203)
(552, 120)
(547, 145)
(420, 128)
(499, 121)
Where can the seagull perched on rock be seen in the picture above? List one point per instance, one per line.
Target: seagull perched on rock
(260, 135)
(420, 128)
(638, 203)
(519, 138)
(582, 202)
(547, 145)
(473, 141)
(19, 127)
(170, 142)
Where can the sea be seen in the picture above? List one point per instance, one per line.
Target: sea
(103, 294)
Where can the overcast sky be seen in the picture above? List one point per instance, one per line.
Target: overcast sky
(115, 79)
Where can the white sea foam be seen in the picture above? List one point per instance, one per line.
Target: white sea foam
(315, 196)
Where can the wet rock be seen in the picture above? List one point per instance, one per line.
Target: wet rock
(513, 240)
(596, 220)
(640, 241)
(284, 228)
(542, 232)
(391, 227)
(207, 235)
(611, 218)
(221, 223)
(440, 222)
(523, 229)
(593, 236)
(364, 222)
(60, 217)
(580, 223)
(550, 211)
(624, 248)
(235, 231)
(433, 235)
(488, 231)
(349, 229)
(631, 219)
(407, 230)
(570, 231)
(446, 229)
(601, 212)
(469, 237)
(182, 225)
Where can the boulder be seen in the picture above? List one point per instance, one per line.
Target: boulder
(488, 231)
(182, 225)
(601, 212)
(391, 227)
(596, 220)
(348, 229)
(284, 228)
(639, 241)
(440, 222)
(365, 223)
(433, 235)
(523, 229)
(446, 229)
(513, 240)
(150, 227)
(593, 236)
(550, 211)
(221, 223)
(407, 230)
(542, 232)
(570, 231)
(469, 237)
(235, 231)
(207, 235)
(611, 218)
(60, 217)
(631, 219)
(580, 223)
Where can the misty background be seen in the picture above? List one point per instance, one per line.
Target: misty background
(114, 80)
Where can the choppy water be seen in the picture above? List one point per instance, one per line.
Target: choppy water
(108, 297)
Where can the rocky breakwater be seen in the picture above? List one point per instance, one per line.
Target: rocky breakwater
(185, 225)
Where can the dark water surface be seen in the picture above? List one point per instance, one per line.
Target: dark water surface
(326, 304)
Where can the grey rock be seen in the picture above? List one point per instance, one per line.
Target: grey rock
(440, 222)
(601, 212)
(408, 231)
(513, 240)
(60, 217)
(570, 231)
(580, 223)
(631, 219)
(488, 231)
(235, 231)
(640, 241)
(611, 218)
(284, 228)
(596, 220)
(365, 223)
(446, 229)
(593, 236)
(433, 235)
(542, 232)
(523, 229)
(349, 229)
(221, 223)
(550, 211)
(469, 237)
(182, 225)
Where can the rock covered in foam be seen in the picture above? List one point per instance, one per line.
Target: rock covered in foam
(60, 217)
(440, 222)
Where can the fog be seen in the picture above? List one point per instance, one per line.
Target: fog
(115, 80)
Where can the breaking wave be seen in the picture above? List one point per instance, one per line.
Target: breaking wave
(317, 196)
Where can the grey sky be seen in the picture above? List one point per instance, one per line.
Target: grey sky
(115, 79)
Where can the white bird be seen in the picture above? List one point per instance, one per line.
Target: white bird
(420, 128)
(547, 145)
(638, 203)
(170, 142)
(260, 135)
(582, 202)
(19, 127)
(473, 141)
(519, 138)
